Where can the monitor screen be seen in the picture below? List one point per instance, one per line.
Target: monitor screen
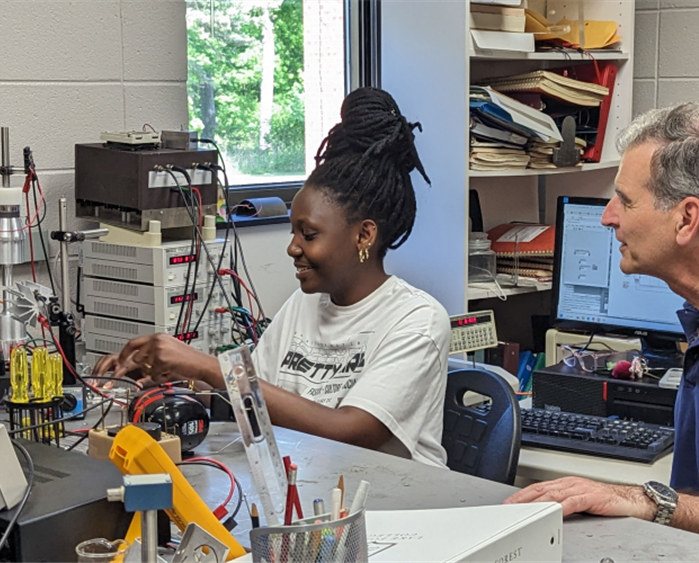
(591, 293)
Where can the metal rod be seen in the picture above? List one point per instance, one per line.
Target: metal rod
(63, 225)
(94, 233)
(149, 536)
(5, 150)
(7, 284)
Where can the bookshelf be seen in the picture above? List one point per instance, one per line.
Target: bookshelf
(568, 56)
(428, 62)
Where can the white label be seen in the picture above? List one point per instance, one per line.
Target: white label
(523, 234)
(160, 179)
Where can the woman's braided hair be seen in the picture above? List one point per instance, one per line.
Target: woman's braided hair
(364, 165)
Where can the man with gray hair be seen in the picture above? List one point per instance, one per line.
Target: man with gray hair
(655, 215)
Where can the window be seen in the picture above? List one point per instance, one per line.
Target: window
(266, 79)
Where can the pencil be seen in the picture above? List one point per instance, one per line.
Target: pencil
(254, 516)
(341, 486)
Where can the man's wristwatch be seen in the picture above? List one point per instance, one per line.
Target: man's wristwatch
(666, 499)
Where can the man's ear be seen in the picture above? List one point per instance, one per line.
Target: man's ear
(688, 221)
(367, 235)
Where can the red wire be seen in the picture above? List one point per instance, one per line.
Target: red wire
(31, 241)
(224, 468)
(36, 214)
(45, 323)
(247, 290)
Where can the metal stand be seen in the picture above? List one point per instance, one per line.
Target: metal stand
(12, 235)
(60, 315)
(145, 494)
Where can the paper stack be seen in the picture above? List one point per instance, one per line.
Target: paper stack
(509, 135)
(497, 18)
(486, 155)
(559, 87)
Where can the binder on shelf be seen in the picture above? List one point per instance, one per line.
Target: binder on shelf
(493, 104)
(492, 133)
(523, 240)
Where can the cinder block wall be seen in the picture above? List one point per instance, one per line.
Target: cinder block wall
(666, 59)
(73, 68)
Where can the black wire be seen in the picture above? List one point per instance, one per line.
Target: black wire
(206, 251)
(57, 420)
(86, 434)
(242, 259)
(218, 151)
(39, 221)
(223, 252)
(30, 482)
(188, 304)
(587, 344)
(73, 370)
(123, 379)
(189, 267)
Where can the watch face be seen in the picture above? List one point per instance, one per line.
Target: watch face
(662, 491)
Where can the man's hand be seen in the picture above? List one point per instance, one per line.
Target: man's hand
(582, 495)
(160, 357)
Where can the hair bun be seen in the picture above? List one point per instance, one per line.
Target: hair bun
(373, 126)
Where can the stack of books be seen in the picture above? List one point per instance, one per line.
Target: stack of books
(487, 154)
(497, 18)
(551, 84)
(499, 25)
(509, 135)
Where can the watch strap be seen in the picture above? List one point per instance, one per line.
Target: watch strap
(666, 506)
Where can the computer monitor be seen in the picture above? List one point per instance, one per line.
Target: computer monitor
(592, 294)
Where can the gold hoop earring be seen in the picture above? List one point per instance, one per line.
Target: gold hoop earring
(363, 255)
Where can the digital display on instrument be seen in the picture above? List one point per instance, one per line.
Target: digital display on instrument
(191, 335)
(182, 259)
(175, 299)
(472, 320)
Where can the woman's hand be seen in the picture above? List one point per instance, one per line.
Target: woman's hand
(160, 357)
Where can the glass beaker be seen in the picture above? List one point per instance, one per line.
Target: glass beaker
(100, 550)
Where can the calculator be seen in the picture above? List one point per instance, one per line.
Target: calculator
(473, 331)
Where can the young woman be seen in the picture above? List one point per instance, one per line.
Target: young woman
(355, 355)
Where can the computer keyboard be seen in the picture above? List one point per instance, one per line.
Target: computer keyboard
(596, 435)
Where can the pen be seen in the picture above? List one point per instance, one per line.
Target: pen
(290, 494)
(335, 504)
(318, 507)
(359, 500)
(341, 486)
(325, 553)
(254, 516)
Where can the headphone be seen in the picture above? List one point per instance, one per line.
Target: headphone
(176, 409)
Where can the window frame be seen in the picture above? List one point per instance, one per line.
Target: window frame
(362, 19)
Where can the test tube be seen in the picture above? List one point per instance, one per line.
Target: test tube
(56, 371)
(42, 386)
(19, 375)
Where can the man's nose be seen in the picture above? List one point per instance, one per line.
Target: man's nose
(610, 216)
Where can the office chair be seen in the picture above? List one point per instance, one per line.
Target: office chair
(482, 440)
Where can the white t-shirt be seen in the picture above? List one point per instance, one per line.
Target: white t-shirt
(386, 354)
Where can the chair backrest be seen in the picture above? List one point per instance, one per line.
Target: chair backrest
(482, 441)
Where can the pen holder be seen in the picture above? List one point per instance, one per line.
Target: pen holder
(336, 541)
